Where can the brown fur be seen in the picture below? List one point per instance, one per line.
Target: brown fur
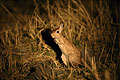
(70, 53)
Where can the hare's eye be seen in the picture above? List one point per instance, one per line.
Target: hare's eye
(57, 31)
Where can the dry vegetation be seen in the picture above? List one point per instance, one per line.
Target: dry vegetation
(27, 51)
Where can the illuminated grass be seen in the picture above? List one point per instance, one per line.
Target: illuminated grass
(25, 54)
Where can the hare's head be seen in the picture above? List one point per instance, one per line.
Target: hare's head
(56, 33)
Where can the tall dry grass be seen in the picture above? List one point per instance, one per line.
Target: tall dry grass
(25, 54)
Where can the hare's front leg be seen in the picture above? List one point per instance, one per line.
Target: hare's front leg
(65, 59)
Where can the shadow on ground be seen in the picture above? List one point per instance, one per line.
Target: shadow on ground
(50, 41)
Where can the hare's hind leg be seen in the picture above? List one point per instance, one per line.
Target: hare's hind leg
(65, 59)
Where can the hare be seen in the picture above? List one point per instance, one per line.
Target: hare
(70, 53)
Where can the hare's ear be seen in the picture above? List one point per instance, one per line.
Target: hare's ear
(61, 27)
